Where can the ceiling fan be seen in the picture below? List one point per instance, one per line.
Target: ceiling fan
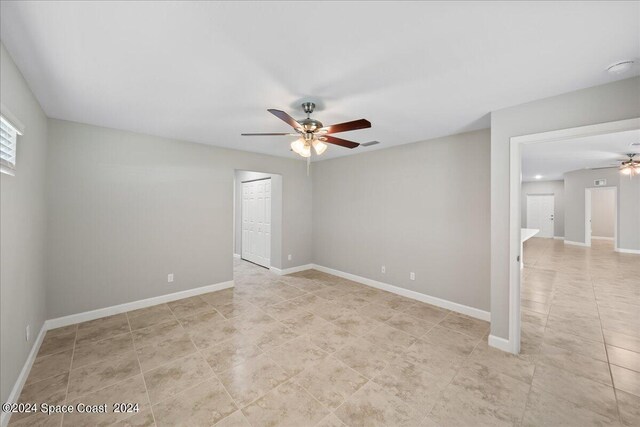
(312, 133)
(630, 167)
(627, 166)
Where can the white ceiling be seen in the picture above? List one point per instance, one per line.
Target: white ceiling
(553, 159)
(207, 71)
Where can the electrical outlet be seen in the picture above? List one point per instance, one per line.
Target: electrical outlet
(384, 270)
(289, 257)
(28, 333)
(412, 276)
(170, 278)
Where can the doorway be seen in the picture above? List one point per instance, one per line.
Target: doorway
(256, 221)
(601, 218)
(512, 345)
(257, 203)
(540, 213)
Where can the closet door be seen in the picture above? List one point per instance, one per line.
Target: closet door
(256, 222)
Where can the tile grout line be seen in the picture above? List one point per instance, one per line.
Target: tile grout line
(546, 320)
(66, 393)
(141, 371)
(215, 375)
(606, 351)
(590, 280)
(463, 364)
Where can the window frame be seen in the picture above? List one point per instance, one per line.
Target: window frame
(16, 126)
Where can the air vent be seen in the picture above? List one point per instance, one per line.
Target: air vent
(600, 182)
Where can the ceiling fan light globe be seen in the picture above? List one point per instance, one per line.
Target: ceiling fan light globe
(319, 147)
(298, 146)
(626, 171)
(306, 151)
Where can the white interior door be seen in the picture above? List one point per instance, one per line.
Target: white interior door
(256, 222)
(540, 214)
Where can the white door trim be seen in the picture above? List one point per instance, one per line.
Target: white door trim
(515, 185)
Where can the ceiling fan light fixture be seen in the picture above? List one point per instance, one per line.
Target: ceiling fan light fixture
(298, 146)
(630, 167)
(319, 147)
(306, 151)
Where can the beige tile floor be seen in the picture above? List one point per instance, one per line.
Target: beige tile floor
(313, 349)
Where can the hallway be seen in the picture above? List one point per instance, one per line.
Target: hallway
(581, 328)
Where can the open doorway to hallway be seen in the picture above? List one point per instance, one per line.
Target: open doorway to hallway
(601, 217)
(577, 159)
(579, 297)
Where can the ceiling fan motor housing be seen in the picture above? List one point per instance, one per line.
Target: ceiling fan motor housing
(310, 125)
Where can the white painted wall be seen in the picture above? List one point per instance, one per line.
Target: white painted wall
(22, 233)
(411, 209)
(545, 187)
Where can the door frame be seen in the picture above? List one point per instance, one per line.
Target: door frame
(515, 189)
(588, 214)
(553, 196)
(270, 214)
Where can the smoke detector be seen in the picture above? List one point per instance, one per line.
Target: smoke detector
(620, 67)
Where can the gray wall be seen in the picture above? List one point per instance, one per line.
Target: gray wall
(545, 187)
(628, 205)
(615, 101)
(629, 213)
(603, 211)
(22, 234)
(126, 209)
(410, 208)
(276, 213)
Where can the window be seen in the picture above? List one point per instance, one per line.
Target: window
(8, 137)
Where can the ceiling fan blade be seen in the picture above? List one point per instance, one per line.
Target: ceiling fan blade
(347, 126)
(269, 134)
(285, 118)
(338, 141)
(370, 143)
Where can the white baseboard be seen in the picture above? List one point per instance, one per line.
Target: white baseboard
(134, 305)
(569, 242)
(628, 251)
(500, 343)
(449, 305)
(601, 238)
(558, 237)
(24, 374)
(236, 255)
(291, 270)
(96, 314)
